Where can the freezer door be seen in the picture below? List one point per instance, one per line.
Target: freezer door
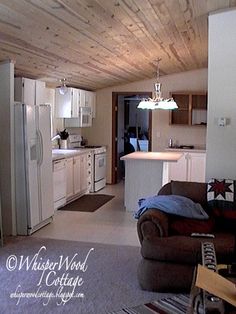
(45, 160)
(32, 169)
(26, 173)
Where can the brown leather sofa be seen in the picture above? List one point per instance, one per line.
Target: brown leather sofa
(168, 259)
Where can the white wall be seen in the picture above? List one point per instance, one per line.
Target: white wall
(7, 186)
(221, 141)
(101, 131)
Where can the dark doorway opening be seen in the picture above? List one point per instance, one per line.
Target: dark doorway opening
(131, 128)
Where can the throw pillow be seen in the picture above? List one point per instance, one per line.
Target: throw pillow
(221, 197)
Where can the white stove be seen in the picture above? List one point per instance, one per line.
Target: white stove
(97, 164)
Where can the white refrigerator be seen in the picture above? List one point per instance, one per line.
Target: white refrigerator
(33, 167)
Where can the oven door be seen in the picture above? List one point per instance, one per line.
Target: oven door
(100, 166)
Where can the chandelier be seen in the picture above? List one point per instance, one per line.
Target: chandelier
(157, 102)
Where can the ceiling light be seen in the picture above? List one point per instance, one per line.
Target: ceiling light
(63, 88)
(157, 102)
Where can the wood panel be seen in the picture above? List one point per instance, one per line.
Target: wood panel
(101, 43)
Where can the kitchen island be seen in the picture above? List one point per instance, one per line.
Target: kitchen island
(144, 173)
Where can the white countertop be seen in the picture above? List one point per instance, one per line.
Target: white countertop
(194, 150)
(66, 153)
(161, 156)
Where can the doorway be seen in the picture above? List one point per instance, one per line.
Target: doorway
(131, 128)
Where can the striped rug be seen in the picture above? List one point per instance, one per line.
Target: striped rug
(178, 304)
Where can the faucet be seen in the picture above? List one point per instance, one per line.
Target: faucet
(170, 143)
(55, 137)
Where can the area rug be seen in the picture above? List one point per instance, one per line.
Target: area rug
(57, 276)
(88, 203)
(177, 304)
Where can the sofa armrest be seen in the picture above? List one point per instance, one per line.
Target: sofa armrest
(153, 223)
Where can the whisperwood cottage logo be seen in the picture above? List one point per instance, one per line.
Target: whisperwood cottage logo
(61, 280)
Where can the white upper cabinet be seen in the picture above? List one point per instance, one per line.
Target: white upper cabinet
(40, 93)
(30, 92)
(90, 101)
(68, 105)
(24, 90)
(87, 99)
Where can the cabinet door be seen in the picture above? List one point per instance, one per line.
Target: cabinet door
(63, 104)
(77, 175)
(87, 99)
(75, 103)
(69, 178)
(182, 114)
(93, 104)
(83, 172)
(28, 91)
(82, 97)
(178, 170)
(24, 90)
(199, 109)
(40, 92)
(197, 167)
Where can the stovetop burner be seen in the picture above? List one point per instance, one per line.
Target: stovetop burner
(91, 146)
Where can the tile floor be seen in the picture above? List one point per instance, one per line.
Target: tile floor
(110, 224)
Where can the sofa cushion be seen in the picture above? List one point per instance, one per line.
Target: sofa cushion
(187, 250)
(185, 226)
(196, 191)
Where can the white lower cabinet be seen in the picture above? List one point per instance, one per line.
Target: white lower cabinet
(76, 176)
(69, 178)
(190, 167)
(178, 170)
(83, 173)
(197, 167)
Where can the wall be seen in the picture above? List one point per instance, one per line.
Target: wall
(101, 132)
(7, 186)
(221, 141)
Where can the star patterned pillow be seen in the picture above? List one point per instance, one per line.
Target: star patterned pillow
(220, 190)
(221, 198)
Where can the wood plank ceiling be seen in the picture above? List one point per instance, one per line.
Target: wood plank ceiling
(101, 43)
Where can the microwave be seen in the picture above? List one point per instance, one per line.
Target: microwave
(84, 119)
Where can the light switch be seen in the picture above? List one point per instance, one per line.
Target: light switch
(222, 122)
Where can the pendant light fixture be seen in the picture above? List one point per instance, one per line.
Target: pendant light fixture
(63, 88)
(157, 102)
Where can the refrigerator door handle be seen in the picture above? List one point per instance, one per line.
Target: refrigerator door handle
(40, 141)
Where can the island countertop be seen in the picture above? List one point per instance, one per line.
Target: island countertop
(162, 156)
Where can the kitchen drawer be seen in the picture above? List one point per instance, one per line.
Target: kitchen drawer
(59, 164)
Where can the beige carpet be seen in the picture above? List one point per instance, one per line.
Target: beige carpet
(108, 273)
